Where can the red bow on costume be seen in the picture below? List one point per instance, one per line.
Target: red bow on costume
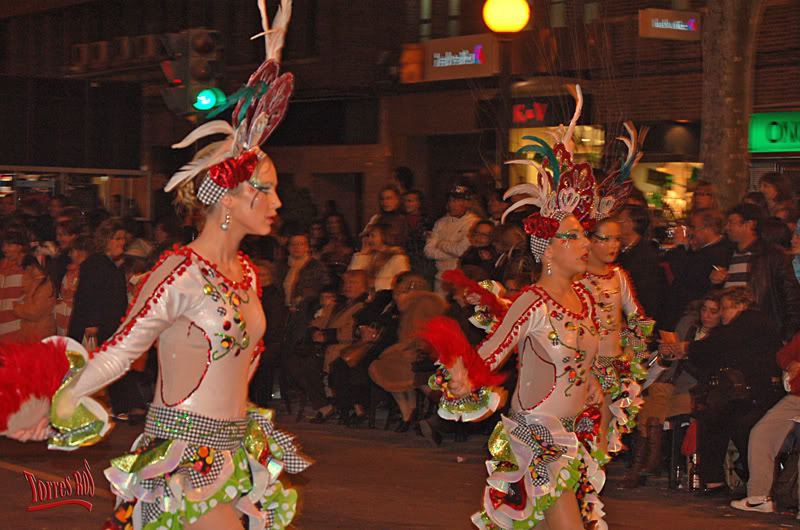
(584, 436)
(541, 227)
(233, 171)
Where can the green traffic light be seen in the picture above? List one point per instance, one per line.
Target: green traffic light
(209, 98)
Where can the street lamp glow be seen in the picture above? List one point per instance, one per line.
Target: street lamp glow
(506, 16)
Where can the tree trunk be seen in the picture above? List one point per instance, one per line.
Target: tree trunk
(730, 30)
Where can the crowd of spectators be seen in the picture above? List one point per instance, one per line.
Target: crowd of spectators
(344, 311)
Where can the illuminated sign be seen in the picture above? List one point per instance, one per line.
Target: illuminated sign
(545, 111)
(464, 57)
(667, 24)
(775, 132)
(461, 58)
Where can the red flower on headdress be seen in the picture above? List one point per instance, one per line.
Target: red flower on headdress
(541, 227)
(233, 171)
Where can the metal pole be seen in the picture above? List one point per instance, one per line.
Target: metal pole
(505, 106)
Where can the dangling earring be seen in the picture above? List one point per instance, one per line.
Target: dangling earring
(549, 272)
(227, 222)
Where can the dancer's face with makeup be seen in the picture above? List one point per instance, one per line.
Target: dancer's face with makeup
(256, 204)
(568, 250)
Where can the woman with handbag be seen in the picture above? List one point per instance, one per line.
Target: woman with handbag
(736, 363)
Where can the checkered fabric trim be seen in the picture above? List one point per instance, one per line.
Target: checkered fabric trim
(222, 435)
(524, 432)
(606, 372)
(293, 462)
(538, 244)
(151, 510)
(210, 192)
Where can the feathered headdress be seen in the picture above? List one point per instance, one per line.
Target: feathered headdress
(260, 107)
(562, 187)
(615, 188)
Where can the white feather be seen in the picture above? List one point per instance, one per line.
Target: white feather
(207, 129)
(578, 109)
(521, 189)
(194, 167)
(517, 205)
(274, 38)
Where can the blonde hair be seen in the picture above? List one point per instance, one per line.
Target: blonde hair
(186, 200)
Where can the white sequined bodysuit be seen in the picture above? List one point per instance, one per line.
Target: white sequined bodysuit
(556, 350)
(615, 302)
(208, 330)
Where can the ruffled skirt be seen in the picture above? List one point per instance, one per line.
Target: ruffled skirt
(185, 464)
(535, 459)
(622, 381)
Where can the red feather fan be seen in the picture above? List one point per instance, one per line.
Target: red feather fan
(449, 344)
(29, 372)
(488, 299)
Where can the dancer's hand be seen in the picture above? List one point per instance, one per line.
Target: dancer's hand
(40, 431)
(66, 404)
(459, 385)
(594, 392)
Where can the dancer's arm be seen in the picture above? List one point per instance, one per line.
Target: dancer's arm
(163, 298)
(518, 320)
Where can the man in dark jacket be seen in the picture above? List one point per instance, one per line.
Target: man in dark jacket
(698, 251)
(639, 258)
(762, 267)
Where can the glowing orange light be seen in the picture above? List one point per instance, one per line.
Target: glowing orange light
(506, 16)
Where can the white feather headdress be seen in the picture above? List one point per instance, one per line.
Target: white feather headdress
(260, 106)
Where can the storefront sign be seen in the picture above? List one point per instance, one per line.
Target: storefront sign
(668, 24)
(775, 132)
(542, 111)
(463, 57)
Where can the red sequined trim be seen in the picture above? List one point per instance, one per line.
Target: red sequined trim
(512, 333)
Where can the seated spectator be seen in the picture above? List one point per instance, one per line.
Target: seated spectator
(669, 394)
(495, 205)
(392, 370)
(331, 331)
(514, 258)
(376, 330)
(482, 255)
(768, 435)
(387, 258)
(35, 310)
(736, 363)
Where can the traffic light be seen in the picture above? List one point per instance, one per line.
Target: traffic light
(204, 69)
(176, 70)
(192, 71)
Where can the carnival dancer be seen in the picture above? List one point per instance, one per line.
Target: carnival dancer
(544, 466)
(623, 326)
(205, 458)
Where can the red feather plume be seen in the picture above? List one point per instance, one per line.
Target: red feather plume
(34, 370)
(488, 299)
(449, 344)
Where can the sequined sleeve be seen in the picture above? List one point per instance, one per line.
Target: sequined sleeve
(160, 302)
(519, 319)
(630, 303)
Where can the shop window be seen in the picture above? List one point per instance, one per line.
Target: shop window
(425, 20)
(591, 12)
(454, 18)
(558, 14)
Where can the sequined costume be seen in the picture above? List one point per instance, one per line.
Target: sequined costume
(544, 446)
(201, 445)
(622, 329)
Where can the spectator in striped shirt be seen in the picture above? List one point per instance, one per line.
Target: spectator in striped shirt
(763, 267)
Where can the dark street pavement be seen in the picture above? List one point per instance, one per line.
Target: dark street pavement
(362, 479)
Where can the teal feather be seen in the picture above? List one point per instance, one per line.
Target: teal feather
(248, 93)
(546, 151)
